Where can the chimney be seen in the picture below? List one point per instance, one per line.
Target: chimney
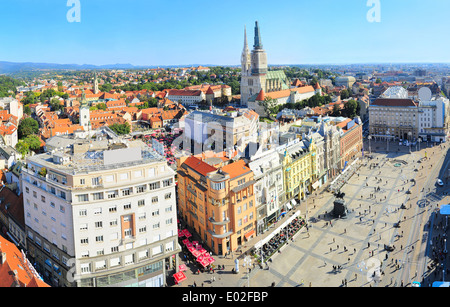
(3, 258)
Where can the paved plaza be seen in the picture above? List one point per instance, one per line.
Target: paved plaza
(391, 200)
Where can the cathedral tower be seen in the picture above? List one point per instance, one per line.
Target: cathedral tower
(254, 67)
(96, 91)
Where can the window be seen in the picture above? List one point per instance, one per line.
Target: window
(154, 199)
(141, 202)
(127, 206)
(84, 227)
(112, 209)
(83, 198)
(126, 192)
(218, 185)
(85, 268)
(82, 181)
(168, 196)
(112, 194)
(97, 211)
(98, 224)
(127, 232)
(96, 181)
(62, 209)
(84, 241)
(140, 189)
(167, 182)
(83, 212)
(99, 239)
(154, 185)
(97, 196)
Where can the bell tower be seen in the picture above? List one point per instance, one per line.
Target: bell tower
(254, 67)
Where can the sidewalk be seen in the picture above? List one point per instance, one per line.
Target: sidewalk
(225, 277)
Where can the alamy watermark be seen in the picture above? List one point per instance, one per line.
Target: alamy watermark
(74, 13)
(374, 13)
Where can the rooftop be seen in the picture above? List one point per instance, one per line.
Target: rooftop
(73, 154)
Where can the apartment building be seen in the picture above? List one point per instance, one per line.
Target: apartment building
(300, 167)
(187, 97)
(396, 115)
(217, 199)
(351, 143)
(269, 188)
(221, 130)
(433, 119)
(100, 211)
(393, 115)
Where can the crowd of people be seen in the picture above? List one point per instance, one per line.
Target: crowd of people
(278, 240)
(166, 139)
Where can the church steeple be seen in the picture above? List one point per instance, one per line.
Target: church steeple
(245, 58)
(258, 43)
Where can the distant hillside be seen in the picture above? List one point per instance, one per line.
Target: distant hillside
(12, 67)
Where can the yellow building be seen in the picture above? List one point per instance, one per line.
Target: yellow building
(216, 198)
(300, 169)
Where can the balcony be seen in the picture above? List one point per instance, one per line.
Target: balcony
(214, 222)
(220, 236)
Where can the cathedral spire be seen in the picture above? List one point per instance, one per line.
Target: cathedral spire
(245, 40)
(258, 44)
(245, 58)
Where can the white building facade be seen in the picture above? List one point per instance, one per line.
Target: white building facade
(96, 220)
(268, 174)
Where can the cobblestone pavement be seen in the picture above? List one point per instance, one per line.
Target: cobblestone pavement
(350, 251)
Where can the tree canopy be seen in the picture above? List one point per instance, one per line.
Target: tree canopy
(120, 129)
(27, 126)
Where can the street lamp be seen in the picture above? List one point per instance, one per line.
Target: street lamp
(419, 141)
(387, 140)
(370, 148)
(409, 135)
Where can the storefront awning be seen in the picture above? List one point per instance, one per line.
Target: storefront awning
(316, 185)
(249, 234)
(288, 205)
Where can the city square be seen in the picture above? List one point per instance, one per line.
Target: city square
(387, 189)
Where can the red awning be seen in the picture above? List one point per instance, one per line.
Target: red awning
(249, 234)
(182, 267)
(196, 253)
(179, 277)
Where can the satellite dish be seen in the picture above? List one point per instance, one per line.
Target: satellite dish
(425, 94)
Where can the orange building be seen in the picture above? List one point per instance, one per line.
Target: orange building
(216, 199)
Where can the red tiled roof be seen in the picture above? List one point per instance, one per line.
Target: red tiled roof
(261, 95)
(14, 270)
(199, 166)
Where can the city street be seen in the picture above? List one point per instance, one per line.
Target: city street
(350, 251)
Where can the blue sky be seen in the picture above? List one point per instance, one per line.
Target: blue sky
(182, 32)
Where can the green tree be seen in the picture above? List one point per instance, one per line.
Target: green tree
(28, 126)
(33, 142)
(350, 108)
(270, 106)
(56, 104)
(336, 110)
(120, 129)
(22, 147)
